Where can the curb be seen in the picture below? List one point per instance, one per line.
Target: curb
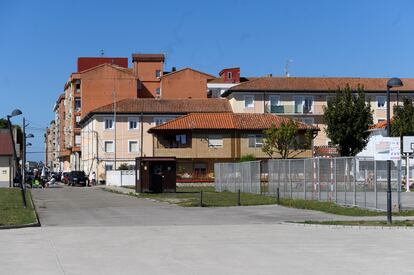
(18, 226)
(352, 227)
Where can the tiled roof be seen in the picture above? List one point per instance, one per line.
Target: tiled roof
(221, 80)
(227, 121)
(319, 84)
(167, 106)
(6, 145)
(380, 125)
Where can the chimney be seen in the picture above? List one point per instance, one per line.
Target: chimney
(173, 69)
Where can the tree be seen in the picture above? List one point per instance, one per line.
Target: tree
(403, 120)
(3, 123)
(123, 166)
(248, 157)
(348, 118)
(285, 140)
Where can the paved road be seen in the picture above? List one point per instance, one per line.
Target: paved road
(90, 231)
(96, 207)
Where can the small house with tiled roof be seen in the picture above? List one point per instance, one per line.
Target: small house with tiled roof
(199, 140)
(6, 159)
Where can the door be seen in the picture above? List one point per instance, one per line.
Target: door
(156, 178)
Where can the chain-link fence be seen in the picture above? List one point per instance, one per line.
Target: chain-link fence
(243, 176)
(345, 180)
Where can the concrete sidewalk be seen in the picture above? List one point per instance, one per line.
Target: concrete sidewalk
(206, 249)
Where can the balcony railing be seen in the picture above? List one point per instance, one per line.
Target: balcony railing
(290, 109)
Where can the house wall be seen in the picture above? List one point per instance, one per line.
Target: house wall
(184, 84)
(5, 171)
(94, 135)
(98, 86)
(234, 146)
(145, 71)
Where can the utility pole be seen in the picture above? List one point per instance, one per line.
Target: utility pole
(24, 155)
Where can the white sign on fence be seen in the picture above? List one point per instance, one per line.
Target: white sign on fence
(387, 148)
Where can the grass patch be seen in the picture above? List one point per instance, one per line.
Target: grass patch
(407, 223)
(328, 207)
(333, 208)
(190, 197)
(11, 208)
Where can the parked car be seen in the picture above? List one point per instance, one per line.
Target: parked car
(56, 175)
(65, 178)
(77, 178)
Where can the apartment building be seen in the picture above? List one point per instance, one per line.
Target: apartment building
(199, 140)
(52, 161)
(303, 98)
(228, 78)
(116, 134)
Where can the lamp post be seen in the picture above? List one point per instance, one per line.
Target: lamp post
(25, 136)
(392, 83)
(16, 112)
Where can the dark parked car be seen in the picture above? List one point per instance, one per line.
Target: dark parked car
(77, 178)
(65, 177)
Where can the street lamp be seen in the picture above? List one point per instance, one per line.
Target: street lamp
(25, 136)
(392, 83)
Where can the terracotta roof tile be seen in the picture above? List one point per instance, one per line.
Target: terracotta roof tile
(227, 121)
(208, 76)
(318, 84)
(167, 106)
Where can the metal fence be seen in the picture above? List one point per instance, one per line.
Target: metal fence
(350, 181)
(243, 176)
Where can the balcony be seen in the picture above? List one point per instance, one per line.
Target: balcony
(290, 109)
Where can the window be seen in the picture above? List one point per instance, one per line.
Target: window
(161, 120)
(109, 123)
(157, 73)
(304, 104)
(200, 169)
(215, 141)
(77, 140)
(274, 105)
(381, 102)
(229, 75)
(174, 141)
(381, 120)
(77, 118)
(132, 123)
(248, 101)
(77, 86)
(133, 146)
(109, 166)
(109, 146)
(255, 141)
(77, 104)
(158, 91)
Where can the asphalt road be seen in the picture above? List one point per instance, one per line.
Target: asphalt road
(90, 231)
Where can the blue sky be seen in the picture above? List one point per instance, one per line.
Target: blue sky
(41, 40)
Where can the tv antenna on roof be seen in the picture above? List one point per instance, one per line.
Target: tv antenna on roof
(102, 52)
(287, 74)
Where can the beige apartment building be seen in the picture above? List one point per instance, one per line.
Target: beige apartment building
(303, 98)
(111, 137)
